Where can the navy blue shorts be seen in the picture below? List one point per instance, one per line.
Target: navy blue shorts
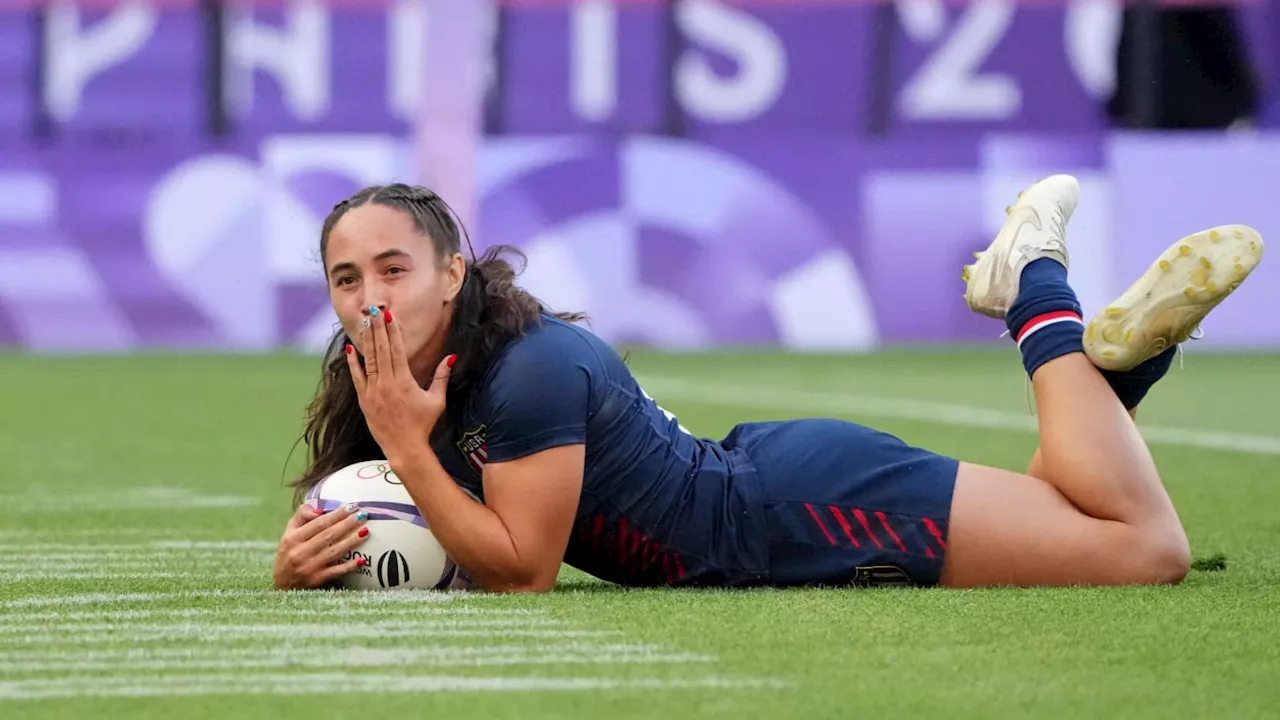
(846, 504)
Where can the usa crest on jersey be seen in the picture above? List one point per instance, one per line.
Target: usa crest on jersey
(474, 448)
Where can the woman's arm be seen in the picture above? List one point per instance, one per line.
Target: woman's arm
(534, 408)
(516, 541)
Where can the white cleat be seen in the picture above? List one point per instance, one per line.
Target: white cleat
(1036, 228)
(1167, 304)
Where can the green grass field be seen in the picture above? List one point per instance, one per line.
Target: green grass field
(143, 496)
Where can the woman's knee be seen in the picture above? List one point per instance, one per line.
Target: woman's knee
(1165, 558)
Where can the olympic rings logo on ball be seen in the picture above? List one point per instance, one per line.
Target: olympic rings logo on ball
(382, 470)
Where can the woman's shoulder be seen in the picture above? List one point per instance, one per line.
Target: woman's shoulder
(551, 337)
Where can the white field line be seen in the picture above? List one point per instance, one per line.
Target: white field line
(283, 633)
(116, 561)
(174, 547)
(112, 559)
(62, 533)
(203, 629)
(28, 618)
(217, 652)
(844, 404)
(360, 657)
(298, 598)
(122, 575)
(134, 498)
(337, 683)
(215, 545)
(69, 570)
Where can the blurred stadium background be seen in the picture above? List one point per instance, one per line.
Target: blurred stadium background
(807, 174)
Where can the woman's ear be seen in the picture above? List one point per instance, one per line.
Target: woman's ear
(455, 274)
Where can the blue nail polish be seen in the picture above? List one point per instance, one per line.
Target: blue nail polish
(373, 310)
(362, 516)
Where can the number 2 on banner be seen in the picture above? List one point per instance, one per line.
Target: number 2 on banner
(949, 84)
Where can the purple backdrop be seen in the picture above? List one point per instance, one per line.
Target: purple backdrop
(772, 215)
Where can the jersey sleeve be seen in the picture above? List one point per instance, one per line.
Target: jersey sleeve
(539, 395)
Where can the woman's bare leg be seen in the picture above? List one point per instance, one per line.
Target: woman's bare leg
(1098, 513)
(1036, 467)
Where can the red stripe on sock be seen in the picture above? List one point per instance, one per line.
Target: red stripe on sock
(1035, 322)
(844, 525)
(830, 538)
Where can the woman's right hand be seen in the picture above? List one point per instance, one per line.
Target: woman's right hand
(313, 545)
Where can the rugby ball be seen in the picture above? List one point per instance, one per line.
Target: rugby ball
(400, 551)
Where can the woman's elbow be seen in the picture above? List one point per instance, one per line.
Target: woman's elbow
(532, 583)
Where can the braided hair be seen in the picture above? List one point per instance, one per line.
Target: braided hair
(489, 311)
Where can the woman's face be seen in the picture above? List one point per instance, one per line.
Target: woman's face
(377, 257)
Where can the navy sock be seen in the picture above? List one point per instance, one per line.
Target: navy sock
(1131, 386)
(1045, 318)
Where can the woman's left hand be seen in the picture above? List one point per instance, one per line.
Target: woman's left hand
(400, 414)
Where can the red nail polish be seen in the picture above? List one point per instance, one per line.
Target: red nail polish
(361, 562)
(388, 314)
(452, 359)
(350, 349)
(364, 532)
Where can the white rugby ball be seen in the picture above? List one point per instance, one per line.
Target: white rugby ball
(400, 552)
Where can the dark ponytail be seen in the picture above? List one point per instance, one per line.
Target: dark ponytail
(489, 312)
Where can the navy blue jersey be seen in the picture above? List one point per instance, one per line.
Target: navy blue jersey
(658, 506)
(797, 502)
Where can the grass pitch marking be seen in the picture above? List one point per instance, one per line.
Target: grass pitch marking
(300, 598)
(103, 616)
(845, 404)
(289, 632)
(337, 683)
(353, 657)
(383, 628)
(54, 574)
(148, 497)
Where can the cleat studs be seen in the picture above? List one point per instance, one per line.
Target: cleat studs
(1111, 334)
(1088, 332)
(1214, 236)
(1113, 312)
(1211, 286)
(1189, 292)
(1204, 263)
(1184, 250)
(1128, 335)
(1237, 234)
(1109, 354)
(1164, 265)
